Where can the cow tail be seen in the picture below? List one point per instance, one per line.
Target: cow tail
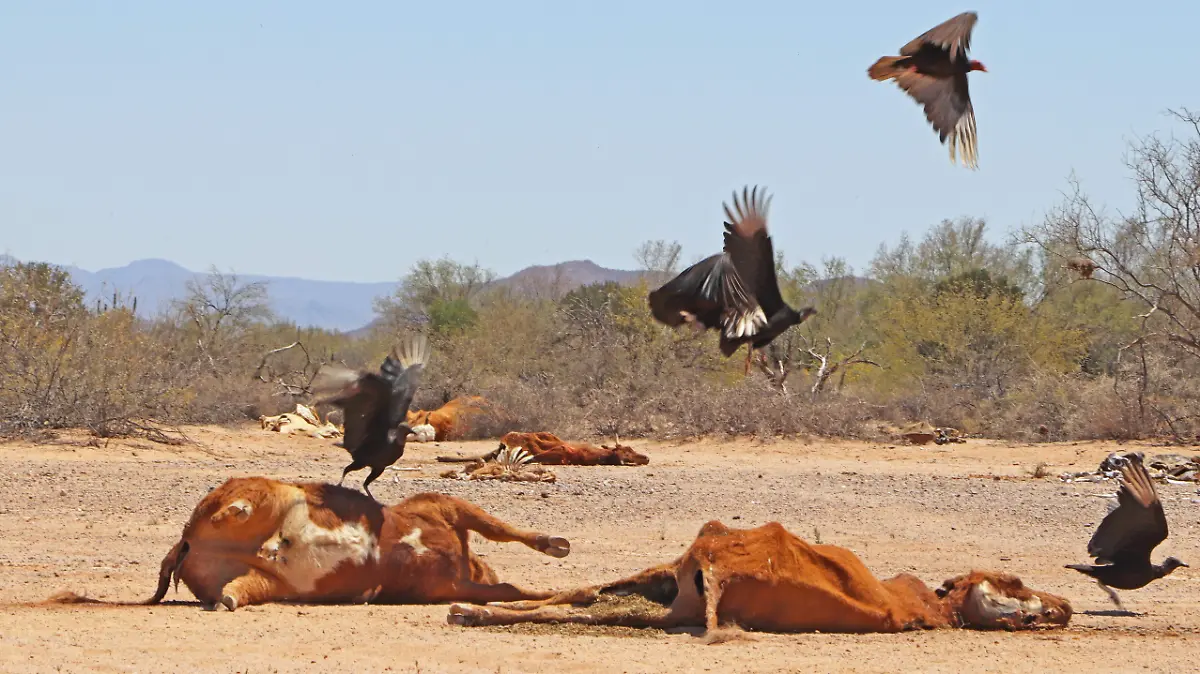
(168, 570)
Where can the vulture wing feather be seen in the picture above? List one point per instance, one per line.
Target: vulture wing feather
(360, 401)
(402, 370)
(749, 246)
(703, 290)
(947, 103)
(1137, 525)
(952, 35)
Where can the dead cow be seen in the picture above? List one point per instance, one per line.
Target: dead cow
(547, 449)
(450, 421)
(767, 579)
(255, 540)
(303, 421)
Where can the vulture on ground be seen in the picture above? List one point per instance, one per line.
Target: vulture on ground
(933, 70)
(375, 406)
(1123, 541)
(734, 291)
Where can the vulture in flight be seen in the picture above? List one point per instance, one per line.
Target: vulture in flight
(933, 70)
(375, 406)
(1124, 539)
(734, 291)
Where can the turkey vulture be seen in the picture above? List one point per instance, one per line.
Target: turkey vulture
(1124, 539)
(375, 406)
(933, 70)
(735, 291)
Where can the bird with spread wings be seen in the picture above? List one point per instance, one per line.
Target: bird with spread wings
(735, 291)
(375, 405)
(932, 69)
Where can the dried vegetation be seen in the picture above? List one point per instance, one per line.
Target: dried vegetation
(1083, 326)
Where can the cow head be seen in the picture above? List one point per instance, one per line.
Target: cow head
(423, 433)
(986, 600)
(625, 456)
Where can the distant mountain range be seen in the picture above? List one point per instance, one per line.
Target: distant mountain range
(332, 305)
(568, 275)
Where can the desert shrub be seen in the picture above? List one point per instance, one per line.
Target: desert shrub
(1000, 339)
(67, 365)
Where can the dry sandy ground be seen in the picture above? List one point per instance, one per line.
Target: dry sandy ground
(99, 520)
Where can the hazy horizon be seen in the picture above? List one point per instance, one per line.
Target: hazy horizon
(536, 133)
(249, 273)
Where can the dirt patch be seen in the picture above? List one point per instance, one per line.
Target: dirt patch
(572, 629)
(97, 520)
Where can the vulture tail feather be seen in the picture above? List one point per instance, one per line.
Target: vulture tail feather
(886, 68)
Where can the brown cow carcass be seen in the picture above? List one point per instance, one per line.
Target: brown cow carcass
(449, 422)
(254, 540)
(767, 579)
(547, 449)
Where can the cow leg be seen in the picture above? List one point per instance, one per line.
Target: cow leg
(584, 596)
(487, 456)
(468, 615)
(252, 588)
(656, 584)
(712, 598)
(477, 616)
(482, 593)
(469, 516)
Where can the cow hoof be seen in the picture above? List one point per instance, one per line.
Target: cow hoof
(369, 596)
(556, 546)
(229, 602)
(466, 616)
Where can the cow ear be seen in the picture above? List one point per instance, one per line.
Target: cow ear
(238, 511)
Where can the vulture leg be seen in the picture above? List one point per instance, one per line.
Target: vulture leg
(749, 355)
(354, 465)
(1112, 594)
(375, 472)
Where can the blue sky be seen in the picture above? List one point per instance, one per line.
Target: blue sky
(293, 138)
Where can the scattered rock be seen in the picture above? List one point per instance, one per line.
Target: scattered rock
(1168, 468)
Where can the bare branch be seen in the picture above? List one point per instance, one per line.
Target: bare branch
(295, 383)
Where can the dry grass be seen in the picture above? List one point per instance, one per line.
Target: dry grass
(592, 364)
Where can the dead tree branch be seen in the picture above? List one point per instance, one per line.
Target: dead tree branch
(294, 383)
(829, 367)
(782, 361)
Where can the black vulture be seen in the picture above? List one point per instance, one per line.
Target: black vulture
(735, 291)
(1123, 541)
(932, 68)
(375, 406)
